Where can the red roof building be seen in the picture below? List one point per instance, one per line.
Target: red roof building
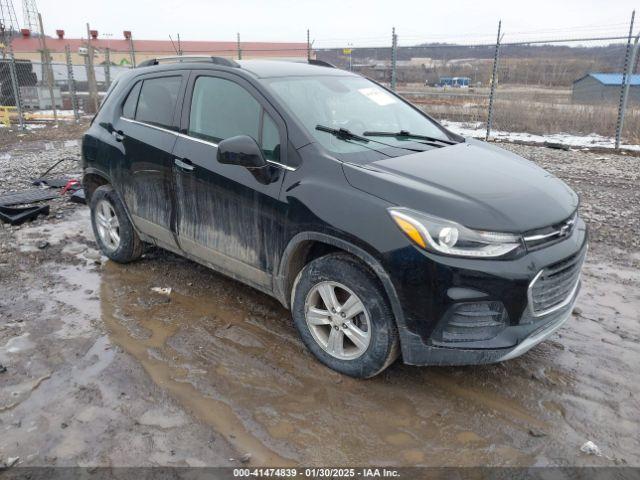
(27, 46)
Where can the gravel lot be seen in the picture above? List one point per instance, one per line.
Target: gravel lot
(103, 371)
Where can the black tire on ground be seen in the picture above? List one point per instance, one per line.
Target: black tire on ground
(347, 270)
(130, 247)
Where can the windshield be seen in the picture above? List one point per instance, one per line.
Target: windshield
(355, 104)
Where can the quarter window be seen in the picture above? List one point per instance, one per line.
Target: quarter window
(222, 109)
(129, 107)
(158, 98)
(270, 138)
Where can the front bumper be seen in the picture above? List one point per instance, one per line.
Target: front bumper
(508, 282)
(416, 352)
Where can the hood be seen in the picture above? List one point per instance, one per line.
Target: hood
(473, 183)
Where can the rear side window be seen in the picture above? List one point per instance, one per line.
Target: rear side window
(222, 109)
(157, 102)
(129, 107)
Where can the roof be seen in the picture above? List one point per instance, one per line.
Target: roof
(610, 79)
(230, 49)
(248, 68)
(274, 68)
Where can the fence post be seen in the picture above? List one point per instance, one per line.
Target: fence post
(238, 45)
(47, 59)
(91, 76)
(107, 67)
(16, 86)
(394, 55)
(494, 82)
(132, 51)
(72, 83)
(626, 78)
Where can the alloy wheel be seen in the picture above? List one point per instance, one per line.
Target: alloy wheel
(338, 320)
(107, 225)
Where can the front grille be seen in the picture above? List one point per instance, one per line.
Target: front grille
(544, 237)
(555, 285)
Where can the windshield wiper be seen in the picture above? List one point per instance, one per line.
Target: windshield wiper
(341, 133)
(347, 135)
(407, 134)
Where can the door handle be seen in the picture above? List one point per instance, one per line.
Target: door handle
(118, 135)
(184, 164)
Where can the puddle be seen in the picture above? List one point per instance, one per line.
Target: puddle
(17, 344)
(231, 357)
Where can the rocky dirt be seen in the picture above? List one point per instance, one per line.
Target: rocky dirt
(102, 370)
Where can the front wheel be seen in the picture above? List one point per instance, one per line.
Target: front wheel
(343, 316)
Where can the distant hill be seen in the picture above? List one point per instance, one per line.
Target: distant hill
(552, 65)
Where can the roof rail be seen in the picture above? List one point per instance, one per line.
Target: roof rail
(190, 58)
(320, 63)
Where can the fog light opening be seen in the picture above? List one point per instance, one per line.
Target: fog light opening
(474, 321)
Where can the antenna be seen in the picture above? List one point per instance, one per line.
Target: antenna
(8, 21)
(30, 13)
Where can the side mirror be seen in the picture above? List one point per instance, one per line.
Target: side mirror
(241, 150)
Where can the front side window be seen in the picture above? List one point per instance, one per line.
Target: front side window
(157, 102)
(222, 109)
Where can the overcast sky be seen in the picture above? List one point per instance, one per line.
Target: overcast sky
(339, 22)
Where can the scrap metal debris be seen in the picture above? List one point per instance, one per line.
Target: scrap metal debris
(591, 448)
(10, 462)
(27, 196)
(51, 182)
(162, 290)
(19, 215)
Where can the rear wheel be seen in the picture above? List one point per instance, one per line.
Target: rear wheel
(114, 233)
(343, 316)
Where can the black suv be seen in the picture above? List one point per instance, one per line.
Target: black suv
(384, 233)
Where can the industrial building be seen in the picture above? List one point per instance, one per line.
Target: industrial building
(604, 88)
(27, 46)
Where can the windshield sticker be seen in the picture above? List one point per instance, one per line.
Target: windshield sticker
(377, 95)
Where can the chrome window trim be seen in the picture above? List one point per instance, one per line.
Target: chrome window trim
(562, 304)
(195, 139)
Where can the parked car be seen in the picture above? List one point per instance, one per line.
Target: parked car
(384, 233)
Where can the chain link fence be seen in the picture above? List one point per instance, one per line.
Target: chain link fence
(568, 91)
(565, 91)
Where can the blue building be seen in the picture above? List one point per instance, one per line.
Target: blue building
(604, 88)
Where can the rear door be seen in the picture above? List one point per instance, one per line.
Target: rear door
(148, 129)
(225, 216)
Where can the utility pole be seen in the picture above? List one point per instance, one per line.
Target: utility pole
(179, 45)
(308, 47)
(47, 58)
(394, 57)
(629, 60)
(91, 75)
(494, 82)
(238, 44)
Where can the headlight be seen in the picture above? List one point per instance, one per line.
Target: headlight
(451, 238)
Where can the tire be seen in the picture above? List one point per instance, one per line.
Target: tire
(106, 205)
(345, 276)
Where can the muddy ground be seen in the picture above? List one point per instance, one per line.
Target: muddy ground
(101, 370)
